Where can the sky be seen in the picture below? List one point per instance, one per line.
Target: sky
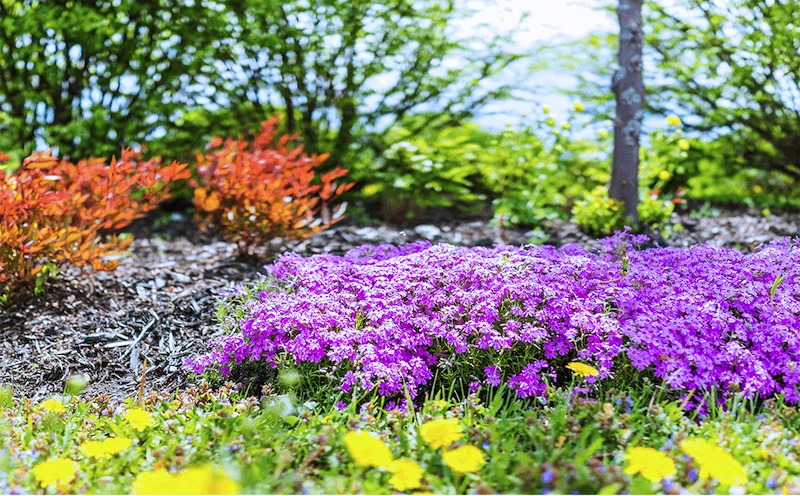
(548, 21)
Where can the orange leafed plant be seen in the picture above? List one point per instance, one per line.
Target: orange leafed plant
(252, 192)
(54, 212)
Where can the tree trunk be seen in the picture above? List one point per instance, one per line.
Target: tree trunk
(628, 87)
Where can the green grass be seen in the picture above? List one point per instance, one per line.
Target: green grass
(274, 444)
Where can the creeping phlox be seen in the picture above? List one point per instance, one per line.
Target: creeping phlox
(389, 317)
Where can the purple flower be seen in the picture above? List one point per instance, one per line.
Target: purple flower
(387, 318)
(492, 375)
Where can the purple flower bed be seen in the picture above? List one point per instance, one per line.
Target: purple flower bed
(389, 317)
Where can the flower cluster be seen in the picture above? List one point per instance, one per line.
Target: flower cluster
(390, 317)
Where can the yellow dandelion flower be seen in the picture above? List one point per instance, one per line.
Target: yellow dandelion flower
(441, 433)
(157, 481)
(664, 175)
(116, 445)
(53, 406)
(59, 471)
(139, 419)
(205, 480)
(93, 449)
(582, 369)
(652, 464)
(199, 480)
(105, 448)
(683, 144)
(714, 462)
(465, 459)
(367, 450)
(673, 120)
(578, 106)
(757, 189)
(406, 474)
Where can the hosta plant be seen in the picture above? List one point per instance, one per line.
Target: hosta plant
(252, 192)
(54, 212)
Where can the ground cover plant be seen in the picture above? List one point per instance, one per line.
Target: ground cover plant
(406, 320)
(219, 441)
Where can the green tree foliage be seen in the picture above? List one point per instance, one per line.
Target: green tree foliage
(87, 76)
(338, 69)
(732, 68)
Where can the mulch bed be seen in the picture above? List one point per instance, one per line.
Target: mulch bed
(159, 305)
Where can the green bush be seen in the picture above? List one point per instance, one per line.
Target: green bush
(598, 214)
(438, 168)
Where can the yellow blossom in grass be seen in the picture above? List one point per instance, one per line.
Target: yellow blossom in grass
(673, 120)
(652, 464)
(199, 480)
(465, 459)
(367, 450)
(441, 433)
(59, 471)
(139, 419)
(115, 445)
(582, 369)
(664, 175)
(93, 449)
(578, 106)
(683, 144)
(714, 462)
(757, 189)
(53, 406)
(406, 474)
(105, 448)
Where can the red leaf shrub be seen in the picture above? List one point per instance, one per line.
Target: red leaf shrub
(252, 192)
(54, 212)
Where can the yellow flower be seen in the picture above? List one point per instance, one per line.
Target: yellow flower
(441, 433)
(664, 175)
(546, 110)
(407, 474)
(93, 449)
(116, 445)
(566, 125)
(582, 369)
(757, 189)
(683, 144)
(367, 450)
(715, 462)
(139, 419)
(464, 459)
(55, 471)
(200, 480)
(652, 464)
(105, 448)
(673, 120)
(53, 406)
(579, 107)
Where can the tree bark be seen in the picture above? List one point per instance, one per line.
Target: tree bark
(628, 87)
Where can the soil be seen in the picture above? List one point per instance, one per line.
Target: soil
(159, 304)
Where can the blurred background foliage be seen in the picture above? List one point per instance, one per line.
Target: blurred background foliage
(391, 91)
